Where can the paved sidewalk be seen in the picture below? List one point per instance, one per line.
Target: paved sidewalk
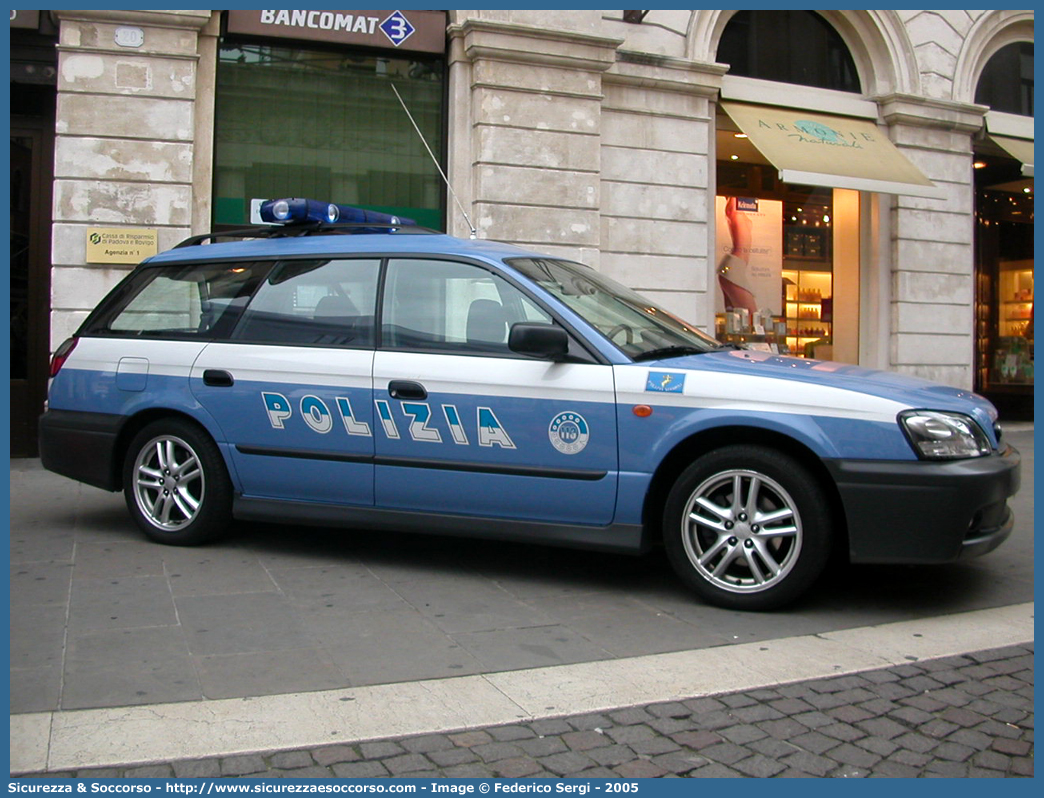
(960, 716)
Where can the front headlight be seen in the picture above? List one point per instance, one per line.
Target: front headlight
(944, 436)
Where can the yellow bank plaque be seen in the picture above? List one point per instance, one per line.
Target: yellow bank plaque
(114, 245)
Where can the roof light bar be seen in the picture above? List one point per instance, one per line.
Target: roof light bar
(295, 210)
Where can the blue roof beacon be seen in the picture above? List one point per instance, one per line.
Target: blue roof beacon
(296, 210)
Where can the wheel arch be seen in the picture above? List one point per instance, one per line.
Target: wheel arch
(134, 424)
(700, 443)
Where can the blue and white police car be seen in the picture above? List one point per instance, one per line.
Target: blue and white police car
(345, 368)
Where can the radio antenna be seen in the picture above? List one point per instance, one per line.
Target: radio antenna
(435, 160)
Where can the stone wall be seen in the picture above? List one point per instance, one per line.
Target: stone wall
(657, 181)
(528, 131)
(933, 274)
(124, 145)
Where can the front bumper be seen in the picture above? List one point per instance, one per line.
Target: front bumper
(927, 511)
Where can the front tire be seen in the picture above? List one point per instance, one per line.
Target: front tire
(175, 483)
(747, 527)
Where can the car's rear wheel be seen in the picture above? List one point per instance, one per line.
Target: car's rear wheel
(175, 483)
(747, 527)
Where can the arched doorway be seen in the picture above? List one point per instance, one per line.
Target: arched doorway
(799, 157)
(1003, 168)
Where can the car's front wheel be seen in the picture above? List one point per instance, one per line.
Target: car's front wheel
(175, 483)
(747, 527)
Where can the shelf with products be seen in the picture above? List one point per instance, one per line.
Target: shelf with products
(767, 332)
(808, 303)
(1012, 361)
(1015, 291)
(983, 291)
(807, 232)
(808, 297)
(812, 345)
(769, 342)
(806, 341)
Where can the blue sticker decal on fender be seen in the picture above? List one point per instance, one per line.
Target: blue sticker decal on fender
(665, 382)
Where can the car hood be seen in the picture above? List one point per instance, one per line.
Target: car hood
(911, 391)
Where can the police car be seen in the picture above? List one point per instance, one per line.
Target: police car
(346, 368)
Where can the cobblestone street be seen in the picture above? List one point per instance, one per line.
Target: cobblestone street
(962, 716)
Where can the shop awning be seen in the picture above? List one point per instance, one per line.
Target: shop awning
(826, 150)
(1019, 149)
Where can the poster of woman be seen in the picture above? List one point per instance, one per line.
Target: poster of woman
(749, 243)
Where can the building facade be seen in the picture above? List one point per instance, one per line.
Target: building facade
(622, 139)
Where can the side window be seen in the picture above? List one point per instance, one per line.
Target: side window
(317, 302)
(164, 304)
(194, 301)
(451, 307)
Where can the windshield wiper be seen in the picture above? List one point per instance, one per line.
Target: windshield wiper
(670, 351)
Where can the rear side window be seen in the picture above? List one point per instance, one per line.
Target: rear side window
(314, 302)
(186, 301)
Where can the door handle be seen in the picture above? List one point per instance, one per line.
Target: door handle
(216, 378)
(405, 389)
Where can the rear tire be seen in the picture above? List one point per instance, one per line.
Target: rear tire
(175, 483)
(747, 528)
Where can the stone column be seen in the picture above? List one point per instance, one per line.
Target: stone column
(933, 256)
(525, 133)
(657, 187)
(125, 142)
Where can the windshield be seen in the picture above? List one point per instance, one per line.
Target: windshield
(636, 325)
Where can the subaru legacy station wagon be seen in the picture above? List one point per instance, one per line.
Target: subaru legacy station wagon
(343, 368)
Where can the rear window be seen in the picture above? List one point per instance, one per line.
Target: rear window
(186, 301)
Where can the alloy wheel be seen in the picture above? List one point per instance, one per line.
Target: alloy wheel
(169, 484)
(741, 531)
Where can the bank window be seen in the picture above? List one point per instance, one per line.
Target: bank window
(451, 307)
(325, 124)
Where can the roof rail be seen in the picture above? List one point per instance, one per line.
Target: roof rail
(304, 229)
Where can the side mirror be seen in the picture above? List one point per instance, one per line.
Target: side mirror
(538, 340)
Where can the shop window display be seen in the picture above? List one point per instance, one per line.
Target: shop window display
(1004, 239)
(775, 265)
(1005, 291)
